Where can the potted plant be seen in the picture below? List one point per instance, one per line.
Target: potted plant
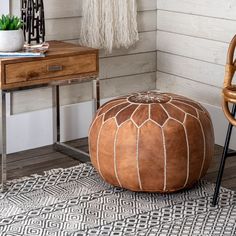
(11, 34)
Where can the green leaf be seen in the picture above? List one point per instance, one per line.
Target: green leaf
(8, 22)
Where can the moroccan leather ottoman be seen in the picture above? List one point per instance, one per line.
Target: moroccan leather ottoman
(151, 142)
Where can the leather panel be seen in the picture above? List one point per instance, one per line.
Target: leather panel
(125, 114)
(176, 155)
(141, 115)
(113, 111)
(151, 157)
(188, 109)
(106, 149)
(92, 140)
(191, 103)
(174, 112)
(196, 148)
(126, 156)
(108, 105)
(210, 141)
(158, 114)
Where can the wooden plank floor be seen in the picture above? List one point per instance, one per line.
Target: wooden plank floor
(38, 160)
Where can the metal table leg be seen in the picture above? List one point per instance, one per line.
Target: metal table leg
(96, 95)
(3, 142)
(62, 147)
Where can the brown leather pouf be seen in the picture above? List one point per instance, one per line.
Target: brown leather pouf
(152, 142)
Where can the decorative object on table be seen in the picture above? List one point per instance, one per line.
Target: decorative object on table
(109, 24)
(32, 13)
(150, 141)
(229, 98)
(75, 201)
(11, 34)
(37, 50)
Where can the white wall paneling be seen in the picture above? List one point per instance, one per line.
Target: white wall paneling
(201, 92)
(198, 26)
(192, 47)
(124, 71)
(184, 41)
(63, 23)
(71, 25)
(70, 95)
(209, 8)
(192, 43)
(196, 70)
(4, 7)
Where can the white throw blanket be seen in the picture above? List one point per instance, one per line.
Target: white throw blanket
(109, 24)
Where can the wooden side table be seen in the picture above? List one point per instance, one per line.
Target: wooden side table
(64, 64)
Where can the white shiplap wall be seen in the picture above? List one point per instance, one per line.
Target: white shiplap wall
(122, 72)
(186, 41)
(192, 42)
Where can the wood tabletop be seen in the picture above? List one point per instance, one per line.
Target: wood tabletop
(63, 62)
(56, 49)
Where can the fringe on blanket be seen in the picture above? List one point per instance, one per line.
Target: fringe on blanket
(108, 24)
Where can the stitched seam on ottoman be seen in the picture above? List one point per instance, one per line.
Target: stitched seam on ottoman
(187, 143)
(119, 113)
(137, 159)
(204, 147)
(131, 117)
(186, 138)
(187, 104)
(165, 165)
(149, 111)
(115, 167)
(99, 133)
(183, 111)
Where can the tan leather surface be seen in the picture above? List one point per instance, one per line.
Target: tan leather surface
(154, 146)
(209, 132)
(174, 112)
(93, 138)
(126, 156)
(158, 114)
(106, 149)
(141, 115)
(151, 157)
(114, 110)
(195, 139)
(125, 114)
(176, 155)
(185, 107)
(109, 105)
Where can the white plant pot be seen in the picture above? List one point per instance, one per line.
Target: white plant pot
(11, 40)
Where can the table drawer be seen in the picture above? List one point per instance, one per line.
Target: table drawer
(50, 68)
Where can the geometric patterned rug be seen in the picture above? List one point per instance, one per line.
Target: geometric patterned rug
(77, 202)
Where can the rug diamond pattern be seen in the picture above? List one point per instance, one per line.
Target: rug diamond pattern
(76, 201)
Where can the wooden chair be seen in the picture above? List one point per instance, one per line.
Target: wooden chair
(228, 97)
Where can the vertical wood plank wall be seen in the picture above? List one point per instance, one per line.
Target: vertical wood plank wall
(122, 72)
(4, 7)
(192, 41)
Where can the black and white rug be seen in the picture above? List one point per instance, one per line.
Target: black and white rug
(77, 202)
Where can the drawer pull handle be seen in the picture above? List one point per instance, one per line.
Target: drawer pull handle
(55, 68)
